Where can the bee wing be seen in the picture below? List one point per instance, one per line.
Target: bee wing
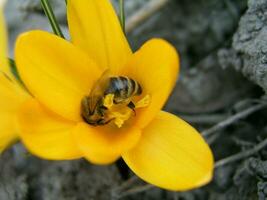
(98, 89)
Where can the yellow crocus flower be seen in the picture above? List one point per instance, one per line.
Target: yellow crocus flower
(159, 147)
(11, 93)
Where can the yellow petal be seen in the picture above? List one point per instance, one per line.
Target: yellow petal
(171, 154)
(45, 134)
(104, 144)
(11, 94)
(3, 42)
(8, 108)
(58, 74)
(155, 66)
(99, 158)
(8, 131)
(4, 66)
(11, 97)
(94, 26)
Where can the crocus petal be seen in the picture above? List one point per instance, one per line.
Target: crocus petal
(155, 66)
(8, 131)
(103, 145)
(3, 39)
(46, 134)
(94, 26)
(171, 154)
(11, 94)
(4, 67)
(11, 97)
(57, 73)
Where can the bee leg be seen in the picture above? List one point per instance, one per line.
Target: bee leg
(132, 107)
(103, 122)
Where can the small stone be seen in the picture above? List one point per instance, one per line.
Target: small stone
(244, 37)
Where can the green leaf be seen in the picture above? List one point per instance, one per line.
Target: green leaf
(14, 71)
(122, 14)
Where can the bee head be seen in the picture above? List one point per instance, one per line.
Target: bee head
(93, 112)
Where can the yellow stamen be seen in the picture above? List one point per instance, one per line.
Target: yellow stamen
(144, 102)
(120, 112)
(108, 101)
(121, 117)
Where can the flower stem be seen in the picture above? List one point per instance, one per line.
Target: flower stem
(122, 15)
(51, 16)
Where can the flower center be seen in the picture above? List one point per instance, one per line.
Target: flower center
(121, 113)
(113, 100)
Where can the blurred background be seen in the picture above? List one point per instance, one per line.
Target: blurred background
(223, 79)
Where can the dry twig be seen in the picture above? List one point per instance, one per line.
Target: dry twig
(144, 13)
(233, 119)
(135, 190)
(241, 155)
(126, 184)
(204, 118)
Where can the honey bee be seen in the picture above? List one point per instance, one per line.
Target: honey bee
(123, 88)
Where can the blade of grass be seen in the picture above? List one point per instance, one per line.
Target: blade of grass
(14, 70)
(122, 14)
(51, 17)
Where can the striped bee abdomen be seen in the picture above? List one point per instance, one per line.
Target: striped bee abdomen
(123, 88)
